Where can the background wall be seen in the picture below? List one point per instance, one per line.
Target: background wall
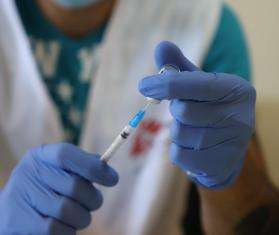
(261, 22)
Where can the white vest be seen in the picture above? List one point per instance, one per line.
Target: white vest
(150, 196)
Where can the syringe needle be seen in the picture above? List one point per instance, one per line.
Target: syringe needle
(127, 130)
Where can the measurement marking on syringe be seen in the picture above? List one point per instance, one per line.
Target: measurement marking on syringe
(125, 135)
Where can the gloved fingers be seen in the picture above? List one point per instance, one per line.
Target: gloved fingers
(202, 114)
(16, 214)
(73, 159)
(167, 53)
(67, 211)
(225, 179)
(194, 86)
(72, 186)
(53, 226)
(212, 182)
(209, 162)
(200, 138)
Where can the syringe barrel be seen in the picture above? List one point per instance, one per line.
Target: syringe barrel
(116, 144)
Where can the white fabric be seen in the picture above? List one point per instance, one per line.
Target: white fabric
(149, 197)
(27, 116)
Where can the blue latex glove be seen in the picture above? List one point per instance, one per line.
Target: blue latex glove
(51, 191)
(213, 117)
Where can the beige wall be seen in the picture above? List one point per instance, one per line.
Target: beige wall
(261, 21)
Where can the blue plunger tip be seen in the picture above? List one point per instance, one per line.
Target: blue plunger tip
(137, 119)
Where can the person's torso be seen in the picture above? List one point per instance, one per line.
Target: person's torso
(140, 163)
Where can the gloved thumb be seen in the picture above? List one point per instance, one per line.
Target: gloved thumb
(168, 53)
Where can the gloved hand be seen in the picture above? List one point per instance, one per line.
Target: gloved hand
(51, 191)
(213, 117)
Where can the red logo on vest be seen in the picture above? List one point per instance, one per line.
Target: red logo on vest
(145, 136)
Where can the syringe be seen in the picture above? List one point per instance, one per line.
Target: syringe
(134, 122)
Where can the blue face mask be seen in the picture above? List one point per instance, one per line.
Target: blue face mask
(75, 3)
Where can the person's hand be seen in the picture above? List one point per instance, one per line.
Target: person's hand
(213, 117)
(51, 191)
